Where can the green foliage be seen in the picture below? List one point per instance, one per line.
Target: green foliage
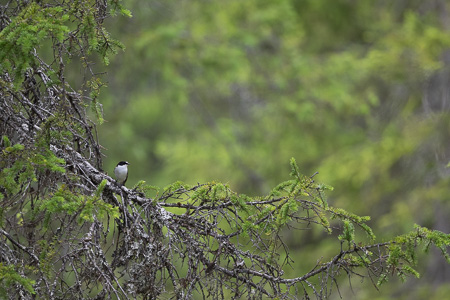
(63, 200)
(295, 200)
(5, 141)
(402, 252)
(350, 219)
(430, 237)
(175, 186)
(26, 164)
(144, 188)
(27, 32)
(283, 215)
(100, 188)
(283, 187)
(117, 7)
(219, 192)
(56, 131)
(9, 276)
(86, 207)
(348, 233)
(295, 170)
(240, 201)
(48, 252)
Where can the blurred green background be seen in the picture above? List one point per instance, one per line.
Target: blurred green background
(358, 91)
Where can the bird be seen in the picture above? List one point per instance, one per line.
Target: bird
(121, 172)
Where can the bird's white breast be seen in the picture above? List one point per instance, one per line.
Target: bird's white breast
(121, 172)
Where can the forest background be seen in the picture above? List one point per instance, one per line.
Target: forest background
(231, 90)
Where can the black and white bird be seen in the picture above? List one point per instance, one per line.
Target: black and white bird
(121, 172)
